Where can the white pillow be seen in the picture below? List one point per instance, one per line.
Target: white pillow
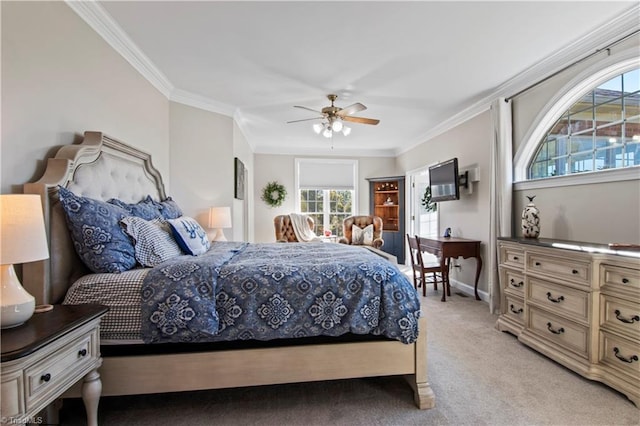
(189, 235)
(361, 236)
(153, 242)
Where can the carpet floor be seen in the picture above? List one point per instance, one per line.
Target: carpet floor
(479, 375)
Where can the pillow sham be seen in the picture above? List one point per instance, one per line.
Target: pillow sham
(97, 236)
(145, 209)
(153, 242)
(362, 236)
(169, 209)
(189, 235)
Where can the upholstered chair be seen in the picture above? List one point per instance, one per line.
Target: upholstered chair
(362, 222)
(284, 228)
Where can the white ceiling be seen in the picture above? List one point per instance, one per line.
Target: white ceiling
(413, 64)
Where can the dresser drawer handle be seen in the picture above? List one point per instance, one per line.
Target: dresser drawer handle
(625, 320)
(82, 352)
(558, 331)
(514, 310)
(516, 284)
(558, 300)
(45, 377)
(538, 263)
(625, 281)
(621, 358)
(574, 272)
(515, 257)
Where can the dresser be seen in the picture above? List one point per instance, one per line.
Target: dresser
(577, 303)
(45, 356)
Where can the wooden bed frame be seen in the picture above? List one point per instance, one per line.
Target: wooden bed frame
(102, 168)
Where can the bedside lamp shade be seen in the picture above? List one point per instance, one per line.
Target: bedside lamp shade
(22, 239)
(219, 218)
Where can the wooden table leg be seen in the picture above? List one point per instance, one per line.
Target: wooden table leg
(91, 390)
(478, 269)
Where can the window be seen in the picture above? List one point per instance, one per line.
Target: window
(600, 131)
(326, 189)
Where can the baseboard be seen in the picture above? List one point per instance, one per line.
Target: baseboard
(469, 289)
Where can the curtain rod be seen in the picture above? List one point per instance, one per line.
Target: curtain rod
(604, 49)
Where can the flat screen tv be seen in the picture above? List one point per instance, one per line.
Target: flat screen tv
(444, 181)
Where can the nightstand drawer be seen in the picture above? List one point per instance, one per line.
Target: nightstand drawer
(564, 332)
(562, 300)
(56, 372)
(620, 353)
(560, 268)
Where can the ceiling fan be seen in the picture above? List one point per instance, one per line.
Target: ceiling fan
(334, 117)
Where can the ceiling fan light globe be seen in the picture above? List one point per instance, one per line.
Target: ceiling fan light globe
(317, 128)
(346, 130)
(336, 126)
(327, 132)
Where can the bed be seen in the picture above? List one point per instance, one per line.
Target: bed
(102, 168)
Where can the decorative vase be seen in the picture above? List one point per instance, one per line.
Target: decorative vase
(530, 220)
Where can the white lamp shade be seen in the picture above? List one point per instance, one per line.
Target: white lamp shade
(220, 217)
(22, 233)
(336, 126)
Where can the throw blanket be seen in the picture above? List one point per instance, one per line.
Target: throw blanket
(301, 228)
(271, 291)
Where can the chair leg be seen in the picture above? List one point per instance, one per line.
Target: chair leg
(435, 282)
(424, 285)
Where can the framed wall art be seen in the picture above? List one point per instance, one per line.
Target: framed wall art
(239, 179)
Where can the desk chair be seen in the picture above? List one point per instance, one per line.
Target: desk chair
(422, 268)
(438, 265)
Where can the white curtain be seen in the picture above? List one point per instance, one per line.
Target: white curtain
(501, 191)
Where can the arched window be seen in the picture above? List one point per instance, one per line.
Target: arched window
(600, 131)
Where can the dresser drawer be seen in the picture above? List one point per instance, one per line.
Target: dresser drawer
(619, 278)
(57, 371)
(560, 299)
(563, 332)
(620, 315)
(514, 309)
(511, 256)
(620, 353)
(513, 282)
(561, 268)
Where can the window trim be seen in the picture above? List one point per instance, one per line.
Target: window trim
(569, 94)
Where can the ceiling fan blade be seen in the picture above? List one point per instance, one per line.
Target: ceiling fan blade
(305, 119)
(351, 109)
(308, 109)
(360, 120)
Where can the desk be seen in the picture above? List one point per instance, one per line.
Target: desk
(452, 247)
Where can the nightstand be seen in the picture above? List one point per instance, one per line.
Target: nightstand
(45, 356)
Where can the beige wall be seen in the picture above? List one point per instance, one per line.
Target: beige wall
(201, 161)
(59, 79)
(469, 216)
(281, 168)
(243, 210)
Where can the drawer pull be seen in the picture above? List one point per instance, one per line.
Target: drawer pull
(625, 320)
(516, 284)
(82, 352)
(574, 272)
(45, 377)
(515, 257)
(625, 281)
(514, 310)
(621, 358)
(558, 300)
(558, 331)
(538, 264)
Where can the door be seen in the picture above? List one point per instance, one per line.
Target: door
(423, 216)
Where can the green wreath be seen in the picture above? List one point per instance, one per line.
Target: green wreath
(428, 205)
(274, 194)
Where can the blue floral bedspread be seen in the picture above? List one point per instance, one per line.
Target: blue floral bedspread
(240, 291)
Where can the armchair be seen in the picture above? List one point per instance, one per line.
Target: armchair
(284, 228)
(362, 222)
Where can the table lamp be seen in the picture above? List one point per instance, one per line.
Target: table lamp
(219, 218)
(22, 239)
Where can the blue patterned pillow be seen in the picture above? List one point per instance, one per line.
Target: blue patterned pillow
(153, 241)
(169, 209)
(97, 235)
(189, 235)
(146, 209)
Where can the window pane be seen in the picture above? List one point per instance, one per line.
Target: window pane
(539, 170)
(609, 112)
(615, 84)
(632, 105)
(581, 121)
(561, 127)
(609, 158)
(631, 81)
(608, 136)
(586, 102)
(583, 142)
(582, 163)
(632, 153)
(559, 166)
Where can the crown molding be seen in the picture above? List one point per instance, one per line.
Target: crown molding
(201, 102)
(591, 43)
(103, 24)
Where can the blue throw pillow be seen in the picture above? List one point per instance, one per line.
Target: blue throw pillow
(189, 235)
(145, 209)
(169, 209)
(96, 233)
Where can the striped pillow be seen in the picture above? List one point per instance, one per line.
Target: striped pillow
(153, 242)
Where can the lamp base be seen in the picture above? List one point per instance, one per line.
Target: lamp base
(219, 235)
(16, 305)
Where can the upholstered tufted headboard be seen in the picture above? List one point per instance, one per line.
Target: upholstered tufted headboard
(102, 168)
